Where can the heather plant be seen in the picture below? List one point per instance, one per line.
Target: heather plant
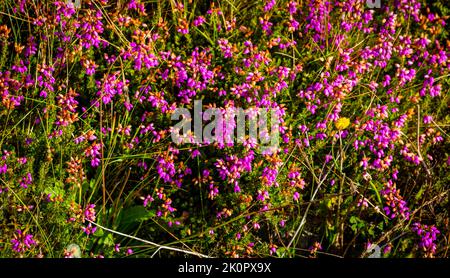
(89, 167)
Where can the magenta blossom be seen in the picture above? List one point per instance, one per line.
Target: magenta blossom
(22, 242)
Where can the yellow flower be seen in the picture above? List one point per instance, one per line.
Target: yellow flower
(342, 123)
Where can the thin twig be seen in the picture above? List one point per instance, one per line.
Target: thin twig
(149, 242)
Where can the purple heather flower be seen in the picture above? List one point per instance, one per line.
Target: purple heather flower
(387, 249)
(225, 47)
(427, 119)
(117, 247)
(22, 160)
(272, 249)
(45, 80)
(137, 5)
(292, 7)
(148, 200)
(26, 181)
(428, 235)
(3, 168)
(31, 47)
(363, 202)
(269, 5)
(195, 153)
(395, 205)
(22, 242)
(199, 21)
(90, 29)
(21, 68)
(165, 169)
(266, 26)
(89, 230)
(93, 152)
(89, 212)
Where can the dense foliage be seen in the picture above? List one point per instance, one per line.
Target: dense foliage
(88, 167)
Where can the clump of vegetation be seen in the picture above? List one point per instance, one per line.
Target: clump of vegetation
(88, 167)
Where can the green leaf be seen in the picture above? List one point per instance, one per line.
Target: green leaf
(107, 240)
(375, 189)
(419, 194)
(99, 233)
(135, 214)
(281, 251)
(54, 191)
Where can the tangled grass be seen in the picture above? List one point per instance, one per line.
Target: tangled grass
(88, 167)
